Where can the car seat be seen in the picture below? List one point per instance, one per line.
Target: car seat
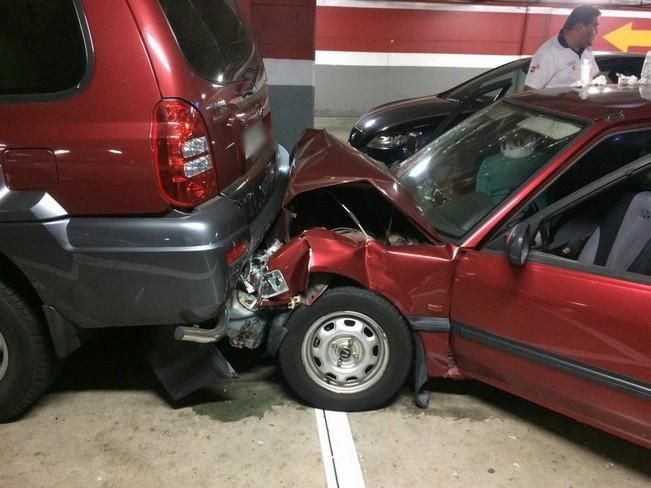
(621, 240)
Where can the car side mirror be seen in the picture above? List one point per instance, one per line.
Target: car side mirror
(518, 243)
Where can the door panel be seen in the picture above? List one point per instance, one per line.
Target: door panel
(604, 407)
(576, 327)
(597, 320)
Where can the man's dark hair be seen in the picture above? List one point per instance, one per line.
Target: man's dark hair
(584, 14)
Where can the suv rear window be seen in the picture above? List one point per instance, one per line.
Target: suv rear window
(41, 47)
(211, 35)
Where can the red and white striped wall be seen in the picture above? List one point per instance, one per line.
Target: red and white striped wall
(372, 51)
(285, 33)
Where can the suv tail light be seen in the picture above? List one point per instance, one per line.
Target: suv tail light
(186, 170)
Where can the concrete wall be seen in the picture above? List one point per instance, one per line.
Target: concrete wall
(293, 111)
(369, 52)
(348, 91)
(285, 33)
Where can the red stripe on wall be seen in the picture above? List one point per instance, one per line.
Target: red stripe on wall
(405, 31)
(420, 31)
(284, 29)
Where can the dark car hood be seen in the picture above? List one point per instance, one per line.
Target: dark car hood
(321, 161)
(411, 110)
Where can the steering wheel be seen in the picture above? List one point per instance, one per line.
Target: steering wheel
(433, 194)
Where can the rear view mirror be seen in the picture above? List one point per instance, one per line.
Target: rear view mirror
(518, 243)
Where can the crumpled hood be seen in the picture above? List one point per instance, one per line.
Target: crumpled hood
(321, 160)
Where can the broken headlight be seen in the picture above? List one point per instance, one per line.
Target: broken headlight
(273, 284)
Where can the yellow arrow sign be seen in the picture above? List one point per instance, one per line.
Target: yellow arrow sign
(624, 37)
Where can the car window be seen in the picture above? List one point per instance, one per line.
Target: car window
(604, 158)
(516, 78)
(566, 234)
(463, 175)
(609, 233)
(507, 71)
(627, 66)
(211, 35)
(42, 49)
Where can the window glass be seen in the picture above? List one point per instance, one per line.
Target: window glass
(512, 71)
(515, 77)
(611, 230)
(626, 66)
(41, 47)
(464, 174)
(211, 35)
(606, 157)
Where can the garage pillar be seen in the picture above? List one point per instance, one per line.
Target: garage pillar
(285, 32)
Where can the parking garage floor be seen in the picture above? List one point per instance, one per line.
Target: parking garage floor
(106, 423)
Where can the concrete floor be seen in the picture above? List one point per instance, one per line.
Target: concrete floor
(106, 423)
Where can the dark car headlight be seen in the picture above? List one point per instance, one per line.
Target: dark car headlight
(410, 141)
(388, 141)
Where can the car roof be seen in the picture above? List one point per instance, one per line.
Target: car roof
(594, 102)
(524, 61)
(603, 56)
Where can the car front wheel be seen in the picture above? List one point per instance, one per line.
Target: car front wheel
(350, 350)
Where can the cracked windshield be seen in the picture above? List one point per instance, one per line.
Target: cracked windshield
(467, 172)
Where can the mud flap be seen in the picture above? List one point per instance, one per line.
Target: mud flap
(421, 396)
(277, 332)
(184, 367)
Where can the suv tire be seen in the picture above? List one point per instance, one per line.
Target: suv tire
(27, 360)
(350, 350)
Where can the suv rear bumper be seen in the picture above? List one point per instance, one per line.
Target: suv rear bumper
(106, 272)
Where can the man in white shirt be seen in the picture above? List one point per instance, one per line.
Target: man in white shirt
(558, 61)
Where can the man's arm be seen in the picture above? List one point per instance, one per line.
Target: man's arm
(540, 72)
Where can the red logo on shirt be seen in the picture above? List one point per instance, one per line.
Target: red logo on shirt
(534, 68)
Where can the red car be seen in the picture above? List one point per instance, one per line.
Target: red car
(138, 169)
(515, 249)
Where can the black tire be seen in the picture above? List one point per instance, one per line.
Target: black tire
(302, 349)
(27, 355)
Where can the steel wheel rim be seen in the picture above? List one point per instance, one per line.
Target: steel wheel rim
(345, 352)
(4, 356)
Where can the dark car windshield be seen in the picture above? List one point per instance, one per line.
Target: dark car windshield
(464, 174)
(211, 35)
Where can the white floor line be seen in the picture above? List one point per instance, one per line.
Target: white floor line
(340, 459)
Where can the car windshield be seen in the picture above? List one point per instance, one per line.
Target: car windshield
(467, 172)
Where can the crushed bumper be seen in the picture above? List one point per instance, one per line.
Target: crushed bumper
(121, 271)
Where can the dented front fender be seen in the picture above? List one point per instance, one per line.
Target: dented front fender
(416, 279)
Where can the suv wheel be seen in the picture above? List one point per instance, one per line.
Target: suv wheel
(27, 361)
(350, 350)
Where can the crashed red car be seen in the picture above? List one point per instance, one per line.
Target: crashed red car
(515, 249)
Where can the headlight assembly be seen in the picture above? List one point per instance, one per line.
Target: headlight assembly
(388, 141)
(410, 141)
